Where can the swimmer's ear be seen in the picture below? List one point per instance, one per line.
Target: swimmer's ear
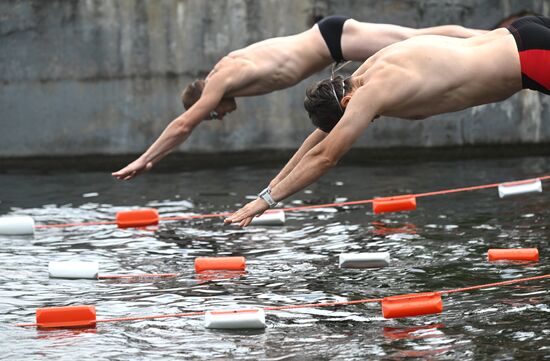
(345, 100)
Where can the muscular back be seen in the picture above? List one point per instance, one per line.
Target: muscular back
(273, 64)
(278, 63)
(430, 75)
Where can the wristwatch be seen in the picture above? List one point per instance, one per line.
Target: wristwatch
(266, 196)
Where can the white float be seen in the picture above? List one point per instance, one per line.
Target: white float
(73, 269)
(14, 225)
(240, 319)
(511, 189)
(364, 260)
(273, 218)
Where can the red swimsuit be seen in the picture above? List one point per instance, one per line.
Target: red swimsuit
(532, 34)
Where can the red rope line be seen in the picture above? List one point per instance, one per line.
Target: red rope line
(60, 225)
(326, 304)
(137, 275)
(196, 216)
(495, 284)
(140, 318)
(473, 188)
(311, 305)
(303, 208)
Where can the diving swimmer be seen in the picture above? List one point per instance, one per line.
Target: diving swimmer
(413, 79)
(275, 64)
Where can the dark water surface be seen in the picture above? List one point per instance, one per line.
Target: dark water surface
(441, 245)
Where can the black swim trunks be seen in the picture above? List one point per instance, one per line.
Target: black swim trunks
(331, 29)
(532, 34)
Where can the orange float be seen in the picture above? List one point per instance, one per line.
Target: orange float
(513, 254)
(394, 204)
(414, 304)
(137, 218)
(220, 264)
(66, 317)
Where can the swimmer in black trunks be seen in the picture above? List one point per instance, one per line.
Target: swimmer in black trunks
(275, 64)
(532, 35)
(414, 79)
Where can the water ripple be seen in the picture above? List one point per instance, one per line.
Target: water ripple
(433, 248)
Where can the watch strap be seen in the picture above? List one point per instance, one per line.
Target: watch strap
(266, 196)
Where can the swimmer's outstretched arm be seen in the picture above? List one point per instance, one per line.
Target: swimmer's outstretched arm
(320, 158)
(380, 36)
(312, 140)
(455, 31)
(176, 132)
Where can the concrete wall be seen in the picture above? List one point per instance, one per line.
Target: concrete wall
(104, 76)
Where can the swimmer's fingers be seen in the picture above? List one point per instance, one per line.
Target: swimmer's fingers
(245, 215)
(125, 173)
(130, 176)
(132, 170)
(237, 216)
(121, 174)
(245, 222)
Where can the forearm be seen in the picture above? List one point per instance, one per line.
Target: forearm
(318, 160)
(325, 155)
(311, 141)
(308, 169)
(312, 166)
(180, 128)
(175, 133)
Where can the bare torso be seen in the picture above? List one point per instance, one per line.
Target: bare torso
(430, 75)
(278, 63)
(274, 64)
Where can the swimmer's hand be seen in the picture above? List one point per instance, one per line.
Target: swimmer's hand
(133, 169)
(245, 215)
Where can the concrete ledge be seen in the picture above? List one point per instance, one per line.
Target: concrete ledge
(267, 158)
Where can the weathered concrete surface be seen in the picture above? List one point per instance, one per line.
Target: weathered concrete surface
(104, 76)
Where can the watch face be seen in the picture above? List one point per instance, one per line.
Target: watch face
(264, 192)
(267, 197)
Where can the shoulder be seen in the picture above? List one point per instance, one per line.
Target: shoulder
(234, 62)
(228, 61)
(230, 65)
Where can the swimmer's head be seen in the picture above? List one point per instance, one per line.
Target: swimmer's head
(192, 93)
(225, 106)
(323, 102)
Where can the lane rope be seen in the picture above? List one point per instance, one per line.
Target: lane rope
(310, 305)
(308, 207)
(137, 275)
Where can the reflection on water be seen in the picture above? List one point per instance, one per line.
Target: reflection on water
(441, 245)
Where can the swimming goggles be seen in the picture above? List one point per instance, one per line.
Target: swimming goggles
(333, 71)
(213, 115)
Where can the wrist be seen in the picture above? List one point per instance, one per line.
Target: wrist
(266, 196)
(144, 158)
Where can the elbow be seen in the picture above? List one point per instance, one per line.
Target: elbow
(185, 130)
(329, 162)
(459, 31)
(182, 127)
(406, 33)
(456, 31)
(323, 160)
